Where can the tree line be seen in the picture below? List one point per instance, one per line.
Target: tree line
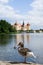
(6, 27)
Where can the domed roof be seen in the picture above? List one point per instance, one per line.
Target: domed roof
(15, 24)
(28, 24)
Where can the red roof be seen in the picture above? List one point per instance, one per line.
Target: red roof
(28, 24)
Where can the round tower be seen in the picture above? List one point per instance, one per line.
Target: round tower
(28, 26)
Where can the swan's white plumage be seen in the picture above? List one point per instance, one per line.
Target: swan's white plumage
(30, 54)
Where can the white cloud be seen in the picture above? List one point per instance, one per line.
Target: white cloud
(36, 14)
(6, 11)
(9, 12)
(4, 1)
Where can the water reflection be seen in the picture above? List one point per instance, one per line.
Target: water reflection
(22, 38)
(4, 39)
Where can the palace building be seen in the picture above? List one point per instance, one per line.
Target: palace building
(23, 26)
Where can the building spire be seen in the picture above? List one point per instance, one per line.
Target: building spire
(23, 23)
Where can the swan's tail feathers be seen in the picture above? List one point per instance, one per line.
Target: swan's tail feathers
(30, 54)
(33, 55)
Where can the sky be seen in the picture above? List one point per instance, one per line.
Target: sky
(29, 11)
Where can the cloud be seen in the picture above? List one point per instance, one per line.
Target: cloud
(4, 1)
(9, 12)
(6, 11)
(36, 14)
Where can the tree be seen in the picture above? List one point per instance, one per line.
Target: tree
(5, 27)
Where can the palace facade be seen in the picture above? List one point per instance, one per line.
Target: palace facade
(22, 26)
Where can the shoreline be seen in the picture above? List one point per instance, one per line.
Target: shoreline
(12, 63)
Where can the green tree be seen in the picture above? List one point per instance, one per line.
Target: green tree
(6, 27)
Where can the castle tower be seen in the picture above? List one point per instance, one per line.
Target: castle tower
(15, 25)
(28, 26)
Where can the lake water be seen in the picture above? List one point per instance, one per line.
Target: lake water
(33, 41)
